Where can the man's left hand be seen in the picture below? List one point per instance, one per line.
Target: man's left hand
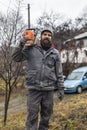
(61, 94)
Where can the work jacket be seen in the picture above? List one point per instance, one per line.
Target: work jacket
(44, 68)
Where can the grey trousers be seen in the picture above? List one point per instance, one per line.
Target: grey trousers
(39, 102)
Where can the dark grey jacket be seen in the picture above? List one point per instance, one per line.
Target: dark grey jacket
(44, 69)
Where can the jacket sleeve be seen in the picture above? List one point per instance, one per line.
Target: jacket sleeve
(59, 74)
(18, 55)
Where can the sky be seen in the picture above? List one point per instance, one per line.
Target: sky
(70, 8)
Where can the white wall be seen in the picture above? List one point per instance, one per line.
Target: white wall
(72, 59)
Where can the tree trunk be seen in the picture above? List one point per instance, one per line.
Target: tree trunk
(7, 99)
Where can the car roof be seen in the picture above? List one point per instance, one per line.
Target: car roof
(81, 69)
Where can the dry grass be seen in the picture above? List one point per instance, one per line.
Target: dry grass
(70, 114)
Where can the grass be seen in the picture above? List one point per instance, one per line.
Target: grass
(70, 114)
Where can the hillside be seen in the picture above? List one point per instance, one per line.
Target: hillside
(70, 114)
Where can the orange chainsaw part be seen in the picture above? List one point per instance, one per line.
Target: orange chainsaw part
(29, 34)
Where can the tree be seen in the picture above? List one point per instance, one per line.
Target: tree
(11, 27)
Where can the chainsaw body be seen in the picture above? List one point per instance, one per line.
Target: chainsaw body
(28, 34)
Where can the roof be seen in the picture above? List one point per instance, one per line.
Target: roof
(80, 36)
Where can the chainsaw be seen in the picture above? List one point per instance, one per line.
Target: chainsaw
(29, 36)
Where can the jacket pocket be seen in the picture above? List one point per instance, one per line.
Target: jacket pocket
(50, 62)
(31, 77)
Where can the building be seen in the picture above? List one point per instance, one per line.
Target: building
(75, 50)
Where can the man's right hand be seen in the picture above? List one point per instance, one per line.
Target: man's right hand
(29, 43)
(23, 41)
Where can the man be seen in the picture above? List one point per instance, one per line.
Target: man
(43, 76)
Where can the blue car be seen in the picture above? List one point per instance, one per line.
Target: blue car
(76, 81)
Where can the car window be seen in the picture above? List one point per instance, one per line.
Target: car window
(75, 76)
(85, 75)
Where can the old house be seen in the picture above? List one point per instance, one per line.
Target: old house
(75, 50)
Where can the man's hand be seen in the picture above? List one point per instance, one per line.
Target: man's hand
(29, 43)
(61, 94)
(25, 42)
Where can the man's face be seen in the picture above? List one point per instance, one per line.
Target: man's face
(46, 37)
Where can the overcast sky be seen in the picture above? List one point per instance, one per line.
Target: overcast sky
(69, 8)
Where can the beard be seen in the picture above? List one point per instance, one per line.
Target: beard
(46, 44)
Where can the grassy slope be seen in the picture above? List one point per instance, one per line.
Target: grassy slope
(70, 114)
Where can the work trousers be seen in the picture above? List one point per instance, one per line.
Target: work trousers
(39, 103)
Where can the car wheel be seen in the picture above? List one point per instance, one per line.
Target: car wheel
(79, 89)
